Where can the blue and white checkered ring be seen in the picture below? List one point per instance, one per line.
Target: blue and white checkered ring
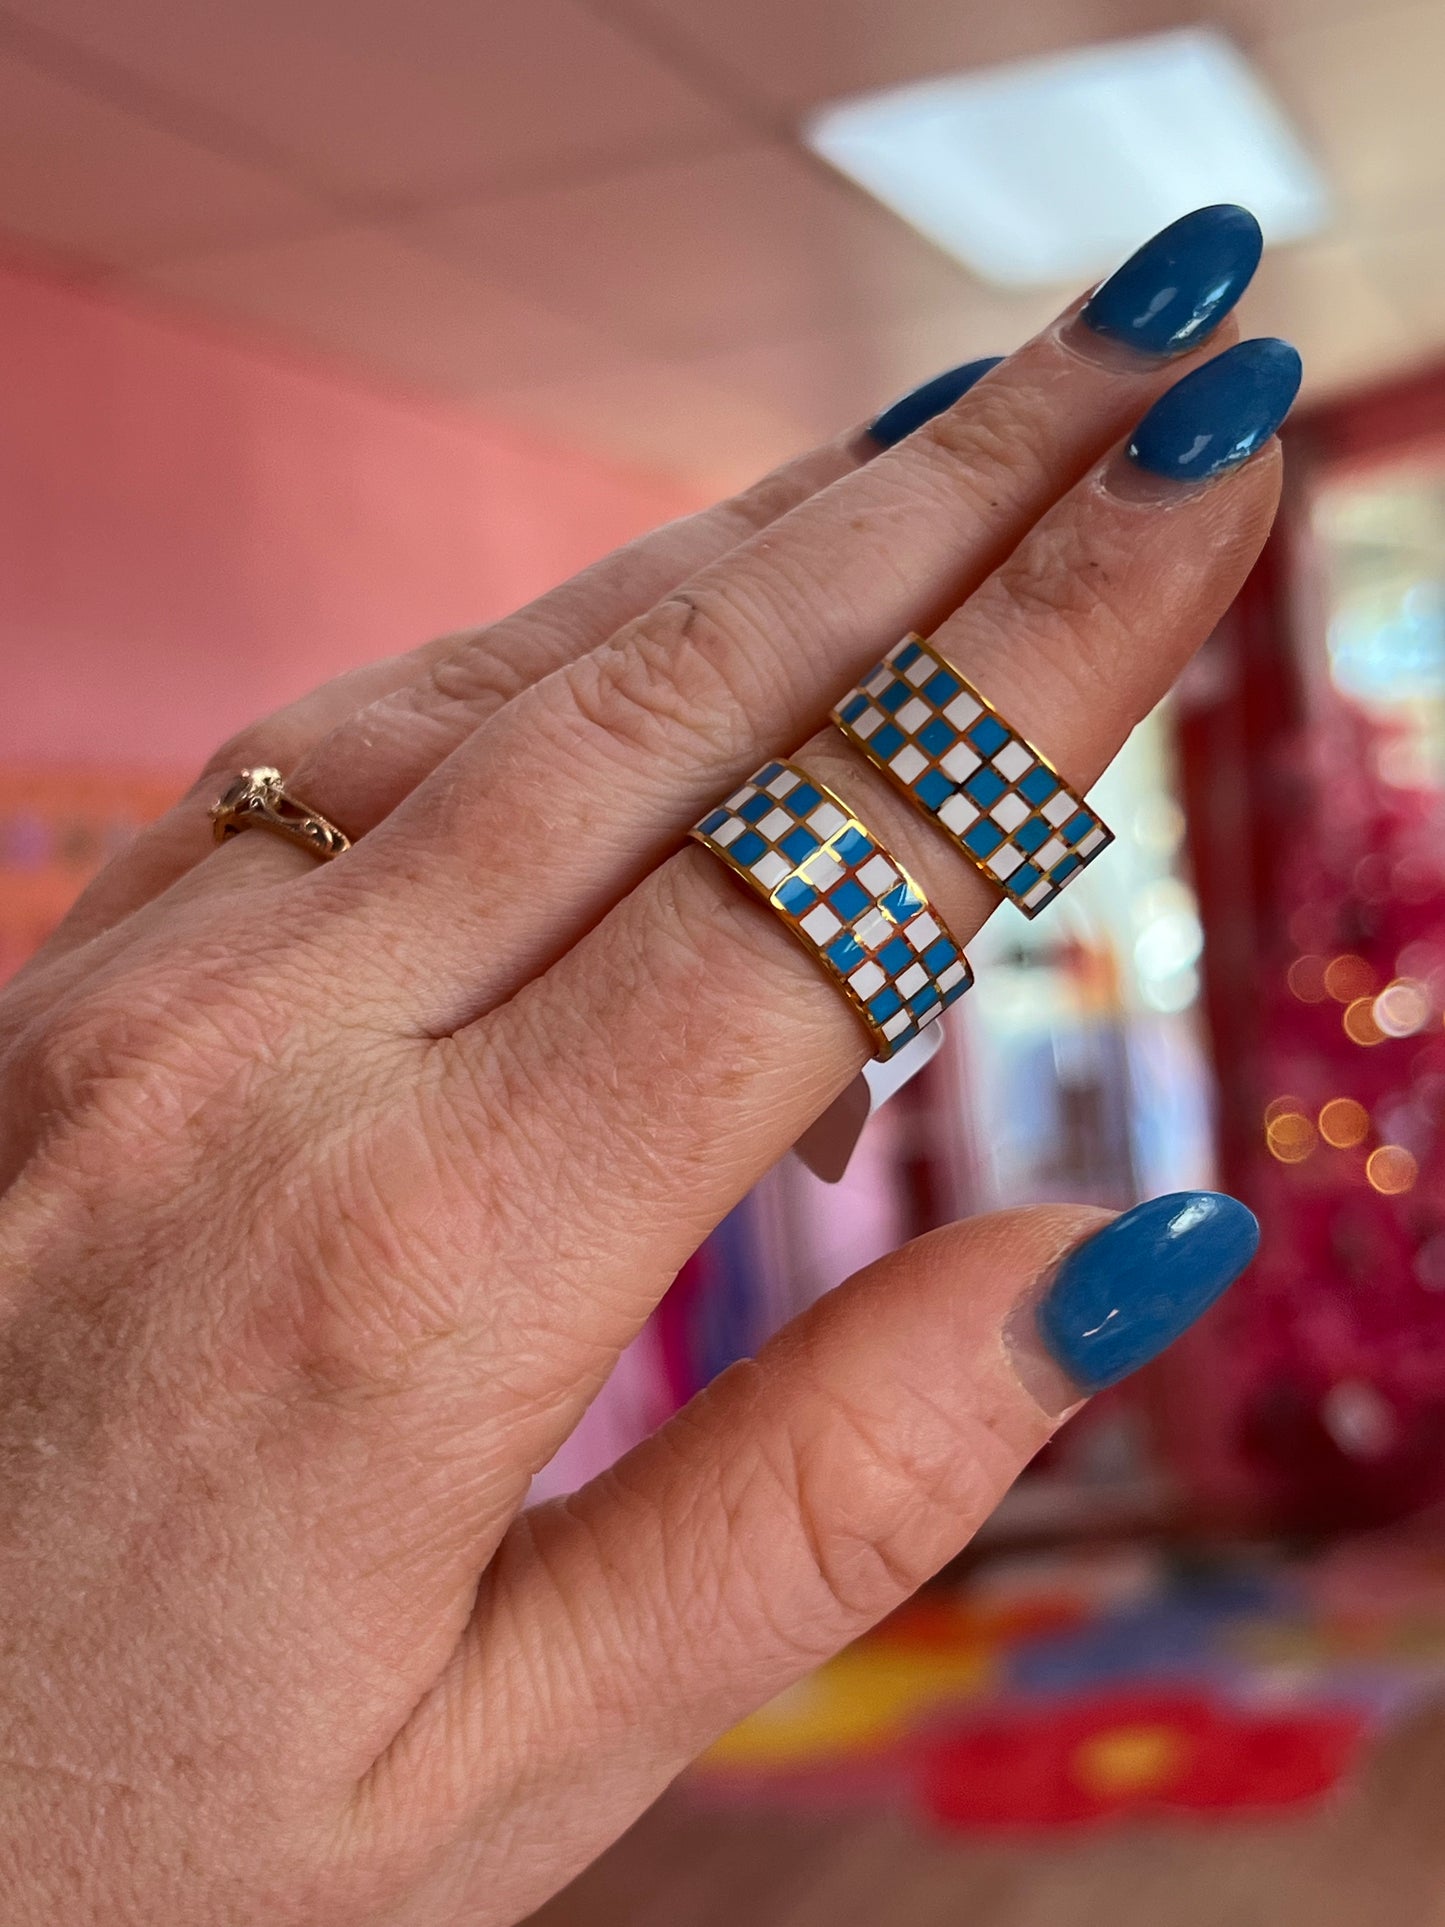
(845, 899)
(956, 759)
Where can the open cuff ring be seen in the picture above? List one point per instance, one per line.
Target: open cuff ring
(958, 761)
(849, 902)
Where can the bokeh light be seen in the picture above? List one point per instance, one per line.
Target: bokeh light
(1391, 1169)
(1306, 979)
(1402, 1007)
(1290, 1137)
(1343, 1122)
(1360, 1024)
(1347, 978)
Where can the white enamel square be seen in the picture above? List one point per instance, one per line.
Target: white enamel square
(963, 710)
(771, 869)
(739, 797)
(962, 760)
(729, 832)
(908, 763)
(877, 875)
(922, 931)
(820, 923)
(918, 672)
(931, 1015)
(775, 824)
(954, 974)
(784, 781)
(1005, 860)
(1010, 811)
(878, 679)
(1050, 854)
(1091, 843)
(823, 870)
(1012, 760)
(868, 978)
(912, 980)
(896, 1025)
(1040, 893)
(865, 724)
(913, 715)
(826, 820)
(958, 813)
(1059, 808)
(872, 929)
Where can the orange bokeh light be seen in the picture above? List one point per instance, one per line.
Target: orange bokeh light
(1348, 977)
(1306, 979)
(1391, 1169)
(1277, 1106)
(1360, 1024)
(1290, 1137)
(1343, 1122)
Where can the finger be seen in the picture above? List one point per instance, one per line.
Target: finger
(593, 769)
(801, 1498)
(667, 1060)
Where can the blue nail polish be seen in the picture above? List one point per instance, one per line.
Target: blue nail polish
(921, 404)
(1122, 1296)
(1179, 286)
(1218, 415)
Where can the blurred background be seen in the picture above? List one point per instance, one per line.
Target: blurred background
(327, 327)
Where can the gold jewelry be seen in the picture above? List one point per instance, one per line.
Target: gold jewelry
(847, 901)
(257, 800)
(958, 761)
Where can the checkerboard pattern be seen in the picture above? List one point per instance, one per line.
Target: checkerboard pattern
(955, 757)
(846, 900)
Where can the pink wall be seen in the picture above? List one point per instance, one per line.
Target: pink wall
(192, 530)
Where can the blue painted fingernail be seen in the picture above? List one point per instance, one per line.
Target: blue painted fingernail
(921, 404)
(1179, 286)
(1122, 1296)
(1218, 415)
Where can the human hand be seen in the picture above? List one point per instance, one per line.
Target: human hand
(334, 1191)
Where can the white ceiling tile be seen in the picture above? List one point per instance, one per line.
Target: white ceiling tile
(394, 100)
(86, 178)
(739, 247)
(366, 296)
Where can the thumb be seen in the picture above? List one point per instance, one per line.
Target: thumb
(803, 1496)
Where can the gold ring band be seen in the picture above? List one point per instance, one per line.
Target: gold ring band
(257, 800)
(847, 900)
(955, 758)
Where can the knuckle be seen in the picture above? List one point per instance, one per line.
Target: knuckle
(991, 443)
(469, 673)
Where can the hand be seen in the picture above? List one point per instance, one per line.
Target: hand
(334, 1192)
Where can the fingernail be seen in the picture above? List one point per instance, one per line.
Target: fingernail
(1180, 285)
(921, 404)
(1122, 1296)
(1218, 415)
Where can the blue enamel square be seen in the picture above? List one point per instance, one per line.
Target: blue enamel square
(1061, 872)
(886, 742)
(795, 896)
(896, 955)
(803, 799)
(852, 847)
(849, 900)
(798, 845)
(714, 820)
(884, 1004)
(985, 786)
(1038, 786)
(925, 1000)
(942, 688)
(1023, 879)
(765, 776)
(894, 697)
(987, 735)
(853, 708)
(1077, 827)
(907, 656)
(933, 788)
(845, 952)
(1029, 836)
(756, 807)
(952, 995)
(748, 848)
(901, 902)
(984, 838)
(936, 736)
(938, 956)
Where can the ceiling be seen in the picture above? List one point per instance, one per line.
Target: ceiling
(591, 216)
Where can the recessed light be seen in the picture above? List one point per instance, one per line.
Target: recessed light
(1047, 171)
